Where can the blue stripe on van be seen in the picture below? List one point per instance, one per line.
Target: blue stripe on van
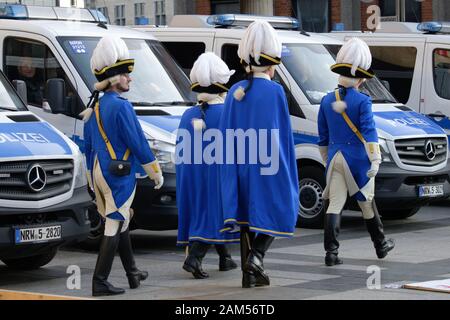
(302, 138)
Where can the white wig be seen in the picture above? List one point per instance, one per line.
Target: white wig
(109, 50)
(209, 69)
(260, 37)
(355, 52)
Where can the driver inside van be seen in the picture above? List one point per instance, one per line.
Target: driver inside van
(27, 73)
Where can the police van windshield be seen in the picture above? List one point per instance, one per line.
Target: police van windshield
(155, 78)
(9, 101)
(309, 65)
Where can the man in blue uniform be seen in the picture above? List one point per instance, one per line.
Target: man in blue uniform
(200, 216)
(115, 147)
(262, 201)
(348, 143)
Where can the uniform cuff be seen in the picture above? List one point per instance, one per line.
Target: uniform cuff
(373, 151)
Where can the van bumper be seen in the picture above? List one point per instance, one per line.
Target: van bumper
(398, 188)
(155, 209)
(71, 215)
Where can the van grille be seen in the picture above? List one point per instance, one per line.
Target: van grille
(15, 184)
(425, 152)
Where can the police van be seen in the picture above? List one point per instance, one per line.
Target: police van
(43, 188)
(49, 48)
(414, 61)
(414, 149)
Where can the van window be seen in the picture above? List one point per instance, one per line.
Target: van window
(231, 58)
(316, 79)
(395, 65)
(178, 51)
(9, 101)
(441, 72)
(229, 55)
(34, 63)
(155, 77)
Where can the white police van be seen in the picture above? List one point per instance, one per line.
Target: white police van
(43, 189)
(414, 60)
(50, 49)
(414, 168)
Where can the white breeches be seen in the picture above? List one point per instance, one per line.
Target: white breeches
(338, 191)
(112, 226)
(106, 204)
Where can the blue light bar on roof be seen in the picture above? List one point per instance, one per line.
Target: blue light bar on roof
(13, 11)
(99, 16)
(243, 20)
(19, 11)
(434, 27)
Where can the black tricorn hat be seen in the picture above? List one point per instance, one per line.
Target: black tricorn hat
(345, 69)
(120, 67)
(214, 88)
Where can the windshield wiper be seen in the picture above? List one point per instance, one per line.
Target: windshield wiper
(165, 103)
(6, 108)
(383, 101)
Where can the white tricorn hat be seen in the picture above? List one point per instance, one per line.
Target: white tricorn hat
(260, 45)
(210, 74)
(354, 60)
(110, 59)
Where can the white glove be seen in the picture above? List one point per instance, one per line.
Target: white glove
(324, 153)
(373, 169)
(154, 172)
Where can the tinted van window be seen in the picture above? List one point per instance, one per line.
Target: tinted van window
(441, 72)
(395, 65)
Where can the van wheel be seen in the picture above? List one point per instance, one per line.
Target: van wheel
(31, 263)
(92, 243)
(311, 186)
(398, 214)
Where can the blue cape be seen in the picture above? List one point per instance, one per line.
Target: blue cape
(266, 203)
(200, 215)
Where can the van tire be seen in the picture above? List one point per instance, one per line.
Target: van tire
(398, 214)
(92, 243)
(311, 185)
(31, 263)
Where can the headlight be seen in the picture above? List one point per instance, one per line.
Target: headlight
(385, 154)
(165, 153)
(80, 171)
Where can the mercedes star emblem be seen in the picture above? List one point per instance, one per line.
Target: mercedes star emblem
(36, 178)
(430, 150)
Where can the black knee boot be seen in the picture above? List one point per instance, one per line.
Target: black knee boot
(226, 263)
(134, 275)
(375, 228)
(331, 243)
(193, 262)
(100, 285)
(255, 263)
(248, 278)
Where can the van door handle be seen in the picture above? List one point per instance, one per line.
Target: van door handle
(437, 114)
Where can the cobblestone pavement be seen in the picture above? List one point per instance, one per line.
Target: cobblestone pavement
(295, 265)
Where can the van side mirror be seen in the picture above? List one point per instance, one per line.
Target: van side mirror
(55, 94)
(21, 88)
(386, 84)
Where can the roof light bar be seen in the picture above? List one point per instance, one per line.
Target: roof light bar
(13, 11)
(19, 11)
(242, 20)
(434, 27)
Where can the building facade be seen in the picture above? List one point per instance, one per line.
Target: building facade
(141, 12)
(326, 15)
(314, 15)
(50, 3)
